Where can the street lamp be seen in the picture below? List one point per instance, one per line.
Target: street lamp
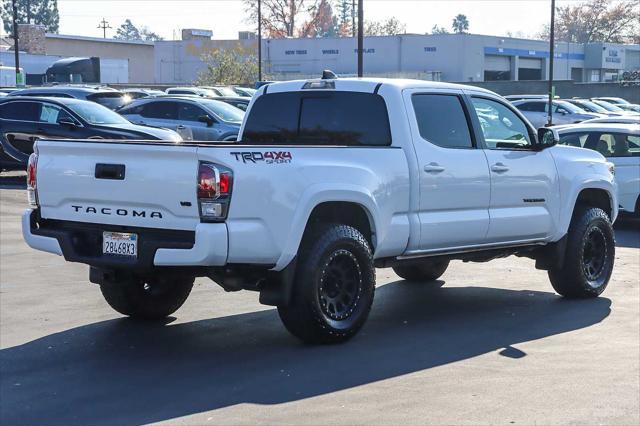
(552, 45)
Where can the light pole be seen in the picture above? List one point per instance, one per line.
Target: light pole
(259, 40)
(552, 45)
(16, 47)
(360, 38)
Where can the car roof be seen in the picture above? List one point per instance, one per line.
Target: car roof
(369, 85)
(71, 90)
(629, 128)
(196, 99)
(50, 99)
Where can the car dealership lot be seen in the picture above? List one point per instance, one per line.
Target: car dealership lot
(494, 345)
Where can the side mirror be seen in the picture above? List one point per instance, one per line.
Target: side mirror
(547, 137)
(206, 119)
(66, 121)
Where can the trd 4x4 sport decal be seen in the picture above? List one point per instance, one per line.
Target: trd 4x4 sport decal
(269, 157)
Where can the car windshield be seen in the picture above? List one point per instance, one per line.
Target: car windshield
(569, 107)
(94, 113)
(226, 91)
(246, 90)
(608, 106)
(224, 111)
(591, 106)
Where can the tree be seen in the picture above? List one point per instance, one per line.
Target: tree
(439, 30)
(280, 17)
(322, 24)
(235, 65)
(597, 20)
(39, 12)
(128, 31)
(391, 26)
(460, 24)
(346, 15)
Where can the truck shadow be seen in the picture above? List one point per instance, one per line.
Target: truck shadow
(124, 372)
(13, 180)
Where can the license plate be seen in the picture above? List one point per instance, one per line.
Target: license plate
(120, 244)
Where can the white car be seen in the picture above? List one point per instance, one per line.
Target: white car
(620, 144)
(536, 111)
(330, 179)
(621, 119)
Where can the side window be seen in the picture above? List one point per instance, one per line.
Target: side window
(501, 127)
(532, 106)
(49, 113)
(160, 110)
(619, 145)
(574, 139)
(189, 112)
(442, 121)
(22, 111)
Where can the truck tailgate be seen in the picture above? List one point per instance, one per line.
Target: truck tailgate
(78, 181)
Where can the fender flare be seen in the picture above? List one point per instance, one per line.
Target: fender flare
(318, 194)
(572, 198)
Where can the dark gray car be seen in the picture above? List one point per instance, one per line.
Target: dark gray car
(194, 118)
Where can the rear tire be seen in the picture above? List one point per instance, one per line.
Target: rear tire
(147, 298)
(333, 288)
(589, 257)
(426, 270)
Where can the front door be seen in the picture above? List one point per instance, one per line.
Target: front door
(524, 185)
(453, 173)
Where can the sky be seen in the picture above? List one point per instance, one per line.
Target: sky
(226, 17)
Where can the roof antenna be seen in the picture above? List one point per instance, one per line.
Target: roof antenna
(329, 75)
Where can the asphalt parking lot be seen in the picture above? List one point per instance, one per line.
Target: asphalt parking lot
(494, 345)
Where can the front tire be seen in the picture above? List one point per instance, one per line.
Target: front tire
(426, 270)
(333, 288)
(589, 257)
(147, 298)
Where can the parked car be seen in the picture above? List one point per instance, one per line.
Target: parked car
(591, 106)
(244, 91)
(194, 91)
(618, 143)
(331, 179)
(612, 100)
(25, 119)
(105, 96)
(222, 91)
(137, 93)
(536, 111)
(7, 90)
(629, 107)
(520, 97)
(238, 102)
(622, 119)
(611, 107)
(194, 118)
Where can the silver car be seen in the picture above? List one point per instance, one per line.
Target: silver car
(194, 118)
(536, 111)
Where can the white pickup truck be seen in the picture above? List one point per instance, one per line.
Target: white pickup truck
(330, 179)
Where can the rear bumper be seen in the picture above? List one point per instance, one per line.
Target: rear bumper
(82, 242)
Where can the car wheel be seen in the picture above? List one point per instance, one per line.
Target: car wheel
(589, 257)
(147, 298)
(333, 287)
(426, 270)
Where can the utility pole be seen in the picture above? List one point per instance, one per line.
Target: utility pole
(104, 26)
(360, 38)
(259, 40)
(16, 47)
(28, 5)
(552, 43)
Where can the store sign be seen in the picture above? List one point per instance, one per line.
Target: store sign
(613, 58)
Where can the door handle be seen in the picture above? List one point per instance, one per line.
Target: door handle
(499, 168)
(433, 168)
(181, 127)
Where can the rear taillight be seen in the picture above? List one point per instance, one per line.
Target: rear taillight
(214, 191)
(32, 193)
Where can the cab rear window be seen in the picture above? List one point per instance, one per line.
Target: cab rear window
(318, 118)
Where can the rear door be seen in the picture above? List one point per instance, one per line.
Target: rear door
(454, 176)
(164, 113)
(20, 128)
(524, 184)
